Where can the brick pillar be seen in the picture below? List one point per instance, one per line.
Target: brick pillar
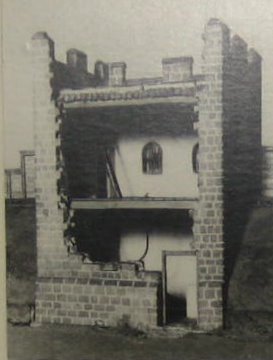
(51, 251)
(208, 224)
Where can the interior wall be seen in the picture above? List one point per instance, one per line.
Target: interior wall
(128, 129)
(133, 245)
(177, 179)
(181, 271)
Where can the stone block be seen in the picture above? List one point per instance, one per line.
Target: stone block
(104, 300)
(83, 314)
(115, 300)
(99, 290)
(126, 301)
(83, 298)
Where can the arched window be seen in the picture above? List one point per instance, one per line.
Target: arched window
(195, 156)
(152, 159)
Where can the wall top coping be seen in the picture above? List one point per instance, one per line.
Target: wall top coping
(27, 152)
(138, 93)
(268, 148)
(175, 60)
(117, 64)
(75, 51)
(13, 171)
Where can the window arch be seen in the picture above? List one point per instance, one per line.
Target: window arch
(152, 158)
(195, 158)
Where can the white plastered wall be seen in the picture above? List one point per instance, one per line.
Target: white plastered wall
(181, 271)
(177, 179)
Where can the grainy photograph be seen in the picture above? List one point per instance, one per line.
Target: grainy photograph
(138, 177)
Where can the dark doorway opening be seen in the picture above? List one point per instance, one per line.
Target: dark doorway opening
(176, 309)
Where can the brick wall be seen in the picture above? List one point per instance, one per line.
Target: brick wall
(242, 145)
(49, 218)
(267, 172)
(99, 294)
(28, 173)
(177, 69)
(13, 184)
(69, 291)
(30, 176)
(208, 224)
(229, 122)
(230, 158)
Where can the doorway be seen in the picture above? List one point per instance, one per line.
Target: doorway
(179, 284)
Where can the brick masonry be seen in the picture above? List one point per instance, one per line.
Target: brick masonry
(208, 224)
(28, 173)
(90, 295)
(49, 218)
(13, 184)
(69, 291)
(229, 161)
(268, 172)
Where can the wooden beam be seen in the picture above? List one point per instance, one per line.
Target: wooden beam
(186, 100)
(141, 203)
(179, 252)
